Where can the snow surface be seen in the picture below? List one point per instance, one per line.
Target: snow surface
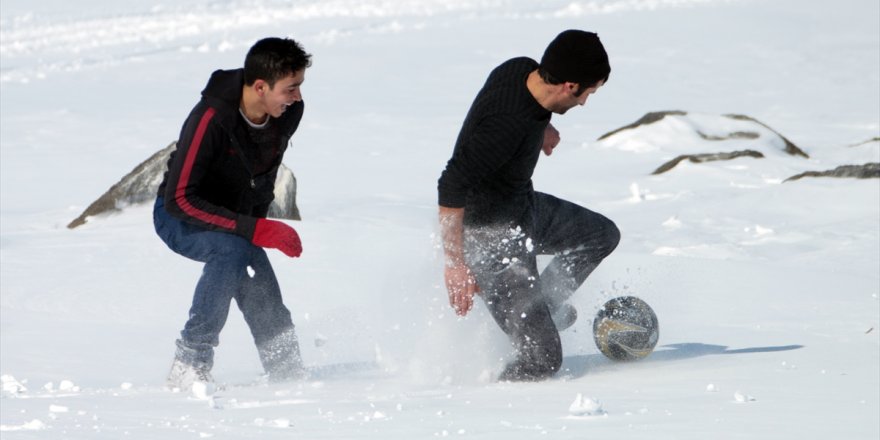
(767, 292)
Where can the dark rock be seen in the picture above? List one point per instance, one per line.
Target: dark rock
(734, 135)
(869, 170)
(649, 118)
(790, 147)
(709, 157)
(869, 141)
(652, 117)
(142, 183)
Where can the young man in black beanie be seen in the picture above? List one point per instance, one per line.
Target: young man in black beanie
(494, 224)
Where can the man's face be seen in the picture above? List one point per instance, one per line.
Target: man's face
(285, 92)
(569, 98)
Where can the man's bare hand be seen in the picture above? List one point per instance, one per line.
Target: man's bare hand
(551, 139)
(462, 286)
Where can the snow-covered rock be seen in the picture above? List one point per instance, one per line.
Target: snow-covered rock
(141, 184)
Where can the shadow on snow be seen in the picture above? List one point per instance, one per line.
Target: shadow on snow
(574, 367)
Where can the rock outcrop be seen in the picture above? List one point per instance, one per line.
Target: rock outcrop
(702, 137)
(709, 157)
(867, 171)
(140, 186)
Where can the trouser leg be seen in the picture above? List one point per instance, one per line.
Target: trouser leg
(220, 280)
(506, 271)
(527, 321)
(503, 259)
(269, 320)
(226, 257)
(578, 238)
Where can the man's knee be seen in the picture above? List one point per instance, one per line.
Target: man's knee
(612, 237)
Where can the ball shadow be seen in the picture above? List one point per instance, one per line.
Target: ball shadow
(574, 367)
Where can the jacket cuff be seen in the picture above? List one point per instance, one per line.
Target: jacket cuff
(245, 225)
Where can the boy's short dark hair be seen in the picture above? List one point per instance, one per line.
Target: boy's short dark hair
(272, 59)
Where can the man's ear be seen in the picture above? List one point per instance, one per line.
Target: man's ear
(572, 88)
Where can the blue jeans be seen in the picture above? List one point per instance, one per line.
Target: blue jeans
(229, 262)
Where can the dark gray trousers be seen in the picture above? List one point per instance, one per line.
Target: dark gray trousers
(503, 259)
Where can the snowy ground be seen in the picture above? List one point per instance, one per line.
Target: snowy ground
(767, 292)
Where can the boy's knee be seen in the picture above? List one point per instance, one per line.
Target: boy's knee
(233, 250)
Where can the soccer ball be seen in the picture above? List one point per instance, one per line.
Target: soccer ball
(626, 329)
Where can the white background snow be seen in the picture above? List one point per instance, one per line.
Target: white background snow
(767, 292)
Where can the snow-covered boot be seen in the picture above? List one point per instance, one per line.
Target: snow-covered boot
(184, 376)
(281, 357)
(191, 370)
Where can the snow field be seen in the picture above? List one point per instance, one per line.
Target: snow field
(766, 292)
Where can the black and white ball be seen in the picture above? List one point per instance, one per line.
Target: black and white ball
(626, 329)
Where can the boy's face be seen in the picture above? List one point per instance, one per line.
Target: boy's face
(284, 93)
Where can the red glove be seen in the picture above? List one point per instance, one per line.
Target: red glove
(276, 235)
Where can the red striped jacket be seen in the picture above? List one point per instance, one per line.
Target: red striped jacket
(216, 178)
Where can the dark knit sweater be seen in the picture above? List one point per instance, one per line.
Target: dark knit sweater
(490, 172)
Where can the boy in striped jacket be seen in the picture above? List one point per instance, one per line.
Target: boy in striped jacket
(212, 204)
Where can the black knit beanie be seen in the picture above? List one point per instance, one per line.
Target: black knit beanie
(576, 56)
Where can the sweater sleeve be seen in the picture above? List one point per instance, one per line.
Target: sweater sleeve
(487, 148)
(196, 149)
